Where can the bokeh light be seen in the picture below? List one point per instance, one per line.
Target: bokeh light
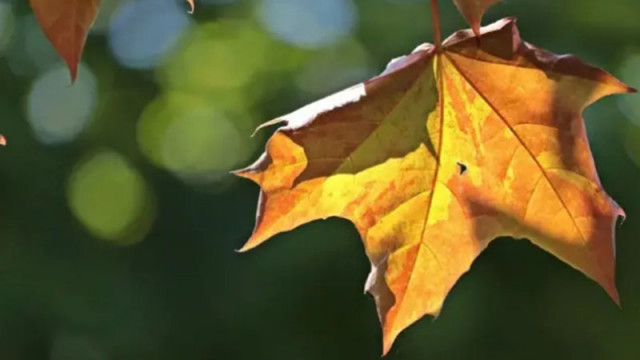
(224, 62)
(142, 44)
(56, 111)
(189, 137)
(110, 198)
(221, 55)
(308, 23)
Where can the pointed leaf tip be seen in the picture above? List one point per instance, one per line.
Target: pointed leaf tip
(473, 10)
(66, 26)
(73, 70)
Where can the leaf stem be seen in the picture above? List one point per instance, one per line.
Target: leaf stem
(435, 15)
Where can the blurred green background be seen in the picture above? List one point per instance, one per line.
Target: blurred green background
(119, 220)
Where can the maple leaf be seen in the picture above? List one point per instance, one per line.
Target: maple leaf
(66, 24)
(473, 10)
(449, 148)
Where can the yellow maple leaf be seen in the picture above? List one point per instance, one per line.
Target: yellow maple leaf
(449, 148)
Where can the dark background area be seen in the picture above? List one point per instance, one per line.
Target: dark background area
(119, 220)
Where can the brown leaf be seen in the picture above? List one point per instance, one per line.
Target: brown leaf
(66, 24)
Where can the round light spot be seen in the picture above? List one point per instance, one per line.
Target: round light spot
(142, 44)
(190, 138)
(110, 198)
(225, 61)
(58, 111)
(217, 56)
(308, 23)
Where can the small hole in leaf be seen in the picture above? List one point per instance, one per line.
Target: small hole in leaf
(462, 168)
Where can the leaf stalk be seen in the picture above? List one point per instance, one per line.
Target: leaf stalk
(435, 15)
